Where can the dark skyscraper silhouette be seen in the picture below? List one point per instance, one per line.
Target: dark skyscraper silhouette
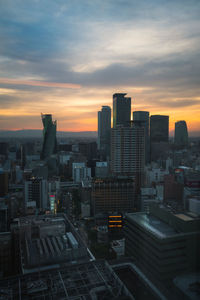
(121, 110)
(49, 136)
(143, 117)
(181, 134)
(159, 128)
(104, 127)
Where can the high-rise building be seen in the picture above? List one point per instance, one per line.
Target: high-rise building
(36, 193)
(159, 128)
(143, 117)
(127, 150)
(159, 137)
(181, 134)
(49, 136)
(104, 127)
(121, 110)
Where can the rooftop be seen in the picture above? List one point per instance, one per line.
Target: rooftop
(184, 217)
(94, 280)
(154, 225)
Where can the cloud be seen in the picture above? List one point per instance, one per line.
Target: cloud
(39, 83)
(69, 57)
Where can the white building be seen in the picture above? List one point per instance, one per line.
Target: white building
(155, 175)
(80, 172)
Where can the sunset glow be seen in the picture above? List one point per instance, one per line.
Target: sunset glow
(69, 62)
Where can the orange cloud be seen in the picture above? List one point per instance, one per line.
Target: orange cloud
(40, 83)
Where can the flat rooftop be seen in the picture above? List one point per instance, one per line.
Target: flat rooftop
(94, 280)
(154, 225)
(184, 217)
(40, 219)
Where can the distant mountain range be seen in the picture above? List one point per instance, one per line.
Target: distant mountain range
(36, 133)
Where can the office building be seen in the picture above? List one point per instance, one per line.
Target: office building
(164, 244)
(121, 110)
(159, 138)
(127, 151)
(114, 195)
(49, 136)
(143, 117)
(89, 150)
(159, 128)
(102, 169)
(181, 134)
(36, 193)
(104, 127)
(80, 172)
(173, 190)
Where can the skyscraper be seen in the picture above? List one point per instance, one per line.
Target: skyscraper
(49, 136)
(121, 110)
(181, 134)
(159, 137)
(104, 127)
(143, 117)
(127, 150)
(159, 128)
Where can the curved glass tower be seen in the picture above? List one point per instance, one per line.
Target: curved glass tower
(49, 136)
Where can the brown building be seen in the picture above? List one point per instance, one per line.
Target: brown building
(173, 190)
(114, 194)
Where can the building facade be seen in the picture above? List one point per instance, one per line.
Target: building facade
(128, 151)
(163, 244)
(49, 136)
(159, 128)
(113, 195)
(104, 127)
(143, 116)
(36, 193)
(121, 110)
(181, 134)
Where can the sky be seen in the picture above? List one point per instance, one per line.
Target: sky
(68, 58)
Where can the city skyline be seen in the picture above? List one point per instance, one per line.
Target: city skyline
(69, 59)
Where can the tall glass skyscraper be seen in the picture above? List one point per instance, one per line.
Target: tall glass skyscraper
(121, 110)
(181, 134)
(49, 136)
